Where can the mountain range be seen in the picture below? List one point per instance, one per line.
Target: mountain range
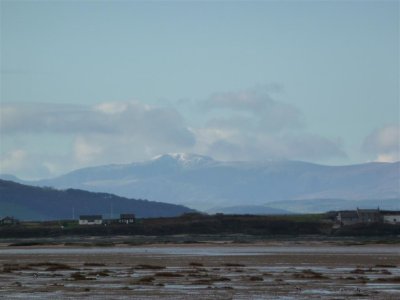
(206, 184)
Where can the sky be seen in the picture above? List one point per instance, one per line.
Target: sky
(86, 83)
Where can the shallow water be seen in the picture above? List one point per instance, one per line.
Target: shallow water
(209, 250)
(223, 272)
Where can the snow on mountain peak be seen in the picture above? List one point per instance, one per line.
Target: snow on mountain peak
(185, 159)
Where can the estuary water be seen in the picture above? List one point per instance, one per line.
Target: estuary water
(208, 250)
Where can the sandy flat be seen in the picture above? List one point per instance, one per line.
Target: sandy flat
(206, 271)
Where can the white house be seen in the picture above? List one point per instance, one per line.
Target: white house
(391, 217)
(127, 219)
(91, 220)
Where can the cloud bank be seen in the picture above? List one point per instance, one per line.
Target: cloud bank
(384, 143)
(242, 125)
(258, 107)
(250, 124)
(114, 132)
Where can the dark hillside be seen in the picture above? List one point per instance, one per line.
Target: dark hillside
(37, 203)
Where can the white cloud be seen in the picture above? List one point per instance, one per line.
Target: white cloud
(53, 168)
(245, 125)
(158, 124)
(107, 133)
(393, 157)
(230, 144)
(258, 107)
(312, 147)
(251, 125)
(252, 99)
(85, 152)
(33, 118)
(383, 143)
(13, 161)
(28, 165)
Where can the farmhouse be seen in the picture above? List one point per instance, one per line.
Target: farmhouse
(90, 220)
(369, 215)
(347, 217)
(127, 219)
(365, 216)
(8, 221)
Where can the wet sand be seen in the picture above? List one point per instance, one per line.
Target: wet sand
(206, 271)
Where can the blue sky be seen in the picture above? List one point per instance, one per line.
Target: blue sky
(97, 82)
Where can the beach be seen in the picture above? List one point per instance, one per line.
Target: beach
(269, 270)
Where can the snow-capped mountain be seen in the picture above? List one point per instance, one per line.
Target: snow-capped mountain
(203, 183)
(184, 159)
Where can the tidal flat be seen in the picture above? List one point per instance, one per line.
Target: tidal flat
(209, 270)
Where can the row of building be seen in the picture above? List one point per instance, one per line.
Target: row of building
(84, 220)
(341, 218)
(98, 219)
(362, 216)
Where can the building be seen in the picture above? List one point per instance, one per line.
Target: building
(90, 220)
(127, 219)
(347, 217)
(391, 217)
(8, 221)
(350, 217)
(369, 215)
(365, 216)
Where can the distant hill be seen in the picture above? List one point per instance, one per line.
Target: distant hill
(324, 205)
(37, 203)
(308, 206)
(203, 183)
(249, 210)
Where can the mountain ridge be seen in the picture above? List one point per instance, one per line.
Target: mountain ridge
(202, 183)
(43, 203)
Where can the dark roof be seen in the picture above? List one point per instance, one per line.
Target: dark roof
(91, 217)
(390, 212)
(127, 216)
(348, 214)
(368, 211)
